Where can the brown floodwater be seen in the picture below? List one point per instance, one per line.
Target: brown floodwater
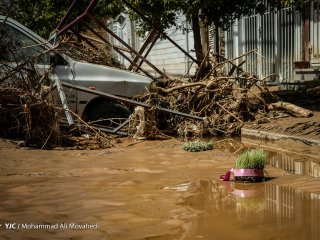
(156, 190)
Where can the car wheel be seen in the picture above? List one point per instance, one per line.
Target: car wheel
(108, 114)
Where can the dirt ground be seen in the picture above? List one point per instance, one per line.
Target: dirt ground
(142, 190)
(307, 129)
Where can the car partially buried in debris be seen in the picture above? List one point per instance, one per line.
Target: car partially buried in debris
(27, 44)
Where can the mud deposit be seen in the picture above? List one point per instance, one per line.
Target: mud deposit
(152, 190)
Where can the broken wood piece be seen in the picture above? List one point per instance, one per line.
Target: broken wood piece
(211, 85)
(291, 108)
(147, 42)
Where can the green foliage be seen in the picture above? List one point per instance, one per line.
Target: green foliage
(162, 13)
(251, 159)
(297, 5)
(219, 12)
(44, 16)
(197, 146)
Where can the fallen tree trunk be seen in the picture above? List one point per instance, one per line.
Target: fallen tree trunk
(291, 108)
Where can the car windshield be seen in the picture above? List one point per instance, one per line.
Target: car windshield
(15, 46)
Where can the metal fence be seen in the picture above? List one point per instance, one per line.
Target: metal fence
(278, 38)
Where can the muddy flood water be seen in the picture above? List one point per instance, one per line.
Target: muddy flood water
(156, 190)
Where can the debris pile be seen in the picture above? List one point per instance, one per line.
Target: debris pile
(224, 101)
(24, 114)
(143, 124)
(82, 52)
(28, 111)
(217, 103)
(25, 108)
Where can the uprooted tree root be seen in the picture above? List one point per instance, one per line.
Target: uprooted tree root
(143, 124)
(224, 101)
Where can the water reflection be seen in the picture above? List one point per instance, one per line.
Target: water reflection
(254, 211)
(295, 163)
(287, 205)
(291, 156)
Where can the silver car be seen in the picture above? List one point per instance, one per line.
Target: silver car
(98, 77)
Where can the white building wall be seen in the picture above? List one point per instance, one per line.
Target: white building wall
(122, 27)
(168, 57)
(164, 55)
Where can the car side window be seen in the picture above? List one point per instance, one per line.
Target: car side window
(15, 46)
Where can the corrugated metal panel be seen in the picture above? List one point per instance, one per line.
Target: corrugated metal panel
(211, 37)
(251, 42)
(229, 44)
(315, 31)
(298, 38)
(286, 41)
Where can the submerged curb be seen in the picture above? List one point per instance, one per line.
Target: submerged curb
(247, 132)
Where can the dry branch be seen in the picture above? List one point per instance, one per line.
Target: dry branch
(230, 113)
(182, 87)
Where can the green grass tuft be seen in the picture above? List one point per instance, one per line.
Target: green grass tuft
(197, 146)
(251, 159)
